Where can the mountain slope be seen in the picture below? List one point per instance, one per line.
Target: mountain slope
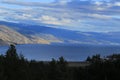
(9, 35)
(48, 35)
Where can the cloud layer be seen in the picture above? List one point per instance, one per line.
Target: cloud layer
(81, 15)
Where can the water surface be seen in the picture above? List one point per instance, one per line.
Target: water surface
(69, 52)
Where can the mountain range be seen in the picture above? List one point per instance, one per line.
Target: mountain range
(20, 33)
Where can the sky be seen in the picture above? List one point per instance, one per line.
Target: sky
(78, 15)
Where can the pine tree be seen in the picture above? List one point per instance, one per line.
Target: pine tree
(11, 52)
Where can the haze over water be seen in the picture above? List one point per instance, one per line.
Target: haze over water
(70, 53)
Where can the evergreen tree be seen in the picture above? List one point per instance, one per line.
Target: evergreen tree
(88, 59)
(53, 70)
(63, 69)
(11, 52)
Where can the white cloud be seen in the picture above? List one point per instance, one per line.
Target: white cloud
(53, 20)
(48, 18)
(112, 4)
(62, 2)
(24, 16)
(70, 15)
(100, 8)
(117, 4)
(98, 3)
(99, 16)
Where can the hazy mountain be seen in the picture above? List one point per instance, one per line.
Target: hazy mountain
(47, 35)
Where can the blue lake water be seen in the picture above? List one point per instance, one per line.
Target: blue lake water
(69, 52)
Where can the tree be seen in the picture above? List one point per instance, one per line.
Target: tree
(11, 52)
(96, 58)
(2, 71)
(63, 69)
(53, 70)
(88, 59)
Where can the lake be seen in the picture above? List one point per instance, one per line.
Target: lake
(69, 52)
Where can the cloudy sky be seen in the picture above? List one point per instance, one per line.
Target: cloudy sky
(80, 15)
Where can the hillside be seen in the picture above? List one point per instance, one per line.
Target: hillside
(37, 34)
(9, 35)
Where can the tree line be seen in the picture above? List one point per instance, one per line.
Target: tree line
(16, 67)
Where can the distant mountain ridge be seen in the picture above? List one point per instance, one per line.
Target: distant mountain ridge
(36, 34)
